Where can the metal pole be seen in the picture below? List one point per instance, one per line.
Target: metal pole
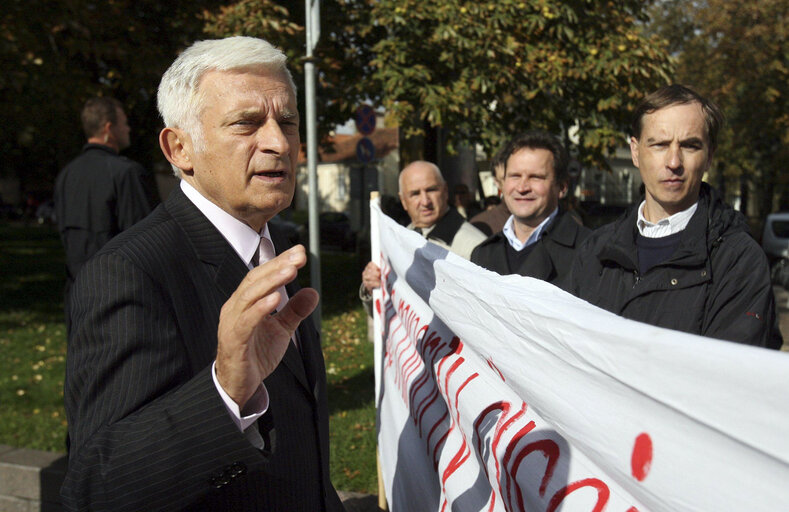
(312, 150)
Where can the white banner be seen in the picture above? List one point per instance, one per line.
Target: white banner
(506, 393)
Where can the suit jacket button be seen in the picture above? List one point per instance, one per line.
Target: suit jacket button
(238, 469)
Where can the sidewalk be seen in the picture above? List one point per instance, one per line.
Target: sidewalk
(358, 502)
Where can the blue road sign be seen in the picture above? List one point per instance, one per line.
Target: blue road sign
(365, 150)
(365, 119)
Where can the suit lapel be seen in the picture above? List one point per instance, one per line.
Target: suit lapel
(299, 361)
(208, 244)
(224, 264)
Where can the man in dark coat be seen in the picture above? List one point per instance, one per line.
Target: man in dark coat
(195, 378)
(539, 239)
(682, 259)
(99, 193)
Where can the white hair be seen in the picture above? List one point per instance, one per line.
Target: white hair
(421, 163)
(179, 99)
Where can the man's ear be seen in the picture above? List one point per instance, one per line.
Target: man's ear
(563, 188)
(634, 151)
(106, 131)
(176, 148)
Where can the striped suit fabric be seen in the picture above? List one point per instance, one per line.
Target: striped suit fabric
(148, 430)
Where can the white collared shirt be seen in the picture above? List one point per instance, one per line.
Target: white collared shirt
(515, 243)
(664, 227)
(245, 241)
(239, 235)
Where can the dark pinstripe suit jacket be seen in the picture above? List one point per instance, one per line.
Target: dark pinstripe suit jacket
(147, 428)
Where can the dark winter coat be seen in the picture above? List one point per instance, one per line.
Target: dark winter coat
(549, 260)
(716, 284)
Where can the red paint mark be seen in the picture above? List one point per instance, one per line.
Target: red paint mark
(641, 461)
(494, 368)
(550, 449)
(603, 493)
(632, 509)
(378, 305)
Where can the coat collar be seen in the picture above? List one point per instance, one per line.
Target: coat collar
(695, 241)
(447, 227)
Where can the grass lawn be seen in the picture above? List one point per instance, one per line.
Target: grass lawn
(33, 351)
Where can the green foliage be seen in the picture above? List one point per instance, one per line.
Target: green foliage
(736, 52)
(32, 339)
(57, 54)
(481, 70)
(487, 69)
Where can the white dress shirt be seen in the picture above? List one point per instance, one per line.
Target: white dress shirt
(664, 227)
(246, 242)
(509, 231)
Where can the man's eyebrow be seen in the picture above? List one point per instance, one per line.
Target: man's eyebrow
(692, 140)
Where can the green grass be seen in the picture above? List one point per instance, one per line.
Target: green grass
(33, 350)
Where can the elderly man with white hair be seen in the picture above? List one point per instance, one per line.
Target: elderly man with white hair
(425, 197)
(195, 378)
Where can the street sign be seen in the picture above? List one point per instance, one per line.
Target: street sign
(365, 119)
(365, 150)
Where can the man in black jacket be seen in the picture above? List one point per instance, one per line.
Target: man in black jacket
(99, 193)
(539, 239)
(682, 259)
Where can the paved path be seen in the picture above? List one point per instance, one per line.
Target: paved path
(357, 502)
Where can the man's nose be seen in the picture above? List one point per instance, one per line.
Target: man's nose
(674, 157)
(271, 138)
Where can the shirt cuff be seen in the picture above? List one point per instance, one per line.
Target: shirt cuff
(255, 407)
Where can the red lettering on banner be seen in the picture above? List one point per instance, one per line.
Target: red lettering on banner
(508, 453)
(550, 449)
(641, 460)
(603, 493)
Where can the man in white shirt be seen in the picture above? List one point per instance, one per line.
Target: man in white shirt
(682, 259)
(195, 378)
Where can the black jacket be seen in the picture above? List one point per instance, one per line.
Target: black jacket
(148, 428)
(717, 282)
(549, 260)
(98, 195)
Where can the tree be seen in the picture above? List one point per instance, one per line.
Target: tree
(57, 54)
(482, 70)
(736, 53)
(488, 69)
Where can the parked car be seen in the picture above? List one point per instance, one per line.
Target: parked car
(775, 242)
